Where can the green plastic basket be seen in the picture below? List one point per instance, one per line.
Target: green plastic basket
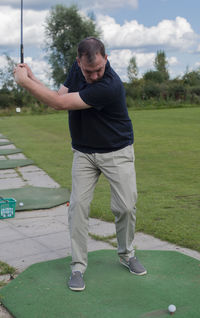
(7, 208)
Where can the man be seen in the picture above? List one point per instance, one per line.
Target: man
(102, 142)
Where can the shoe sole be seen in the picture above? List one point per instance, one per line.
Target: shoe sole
(138, 274)
(77, 288)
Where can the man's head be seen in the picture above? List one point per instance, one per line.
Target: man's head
(92, 59)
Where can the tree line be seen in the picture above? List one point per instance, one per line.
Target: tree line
(156, 89)
(64, 29)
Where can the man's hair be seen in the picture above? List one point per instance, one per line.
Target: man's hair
(89, 47)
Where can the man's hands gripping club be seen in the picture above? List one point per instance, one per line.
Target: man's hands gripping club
(21, 74)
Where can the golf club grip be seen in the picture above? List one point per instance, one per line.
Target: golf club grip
(22, 53)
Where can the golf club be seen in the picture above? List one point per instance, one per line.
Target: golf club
(21, 44)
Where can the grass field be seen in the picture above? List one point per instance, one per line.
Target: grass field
(167, 150)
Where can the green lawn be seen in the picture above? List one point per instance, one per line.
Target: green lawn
(167, 150)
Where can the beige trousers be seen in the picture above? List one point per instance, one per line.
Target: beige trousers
(118, 167)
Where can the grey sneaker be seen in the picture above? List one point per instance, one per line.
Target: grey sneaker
(134, 266)
(76, 281)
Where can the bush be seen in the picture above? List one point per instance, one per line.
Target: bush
(177, 91)
(151, 90)
(129, 101)
(154, 76)
(6, 100)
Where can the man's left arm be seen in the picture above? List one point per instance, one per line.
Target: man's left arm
(63, 90)
(61, 100)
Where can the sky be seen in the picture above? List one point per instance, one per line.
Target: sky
(129, 28)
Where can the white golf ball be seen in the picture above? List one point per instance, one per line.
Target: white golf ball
(172, 308)
(21, 204)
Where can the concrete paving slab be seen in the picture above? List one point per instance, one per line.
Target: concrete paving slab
(8, 173)
(10, 179)
(101, 228)
(21, 263)
(17, 156)
(148, 242)
(12, 183)
(14, 235)
(99, 245)
(39, 179)
(39, 226)
(30, 168)
(11, 146)
(4, 313)
(19, 249)
(55, 241)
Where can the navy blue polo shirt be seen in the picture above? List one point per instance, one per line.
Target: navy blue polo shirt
(106, 126)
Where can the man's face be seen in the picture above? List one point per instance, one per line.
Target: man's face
(94, 71)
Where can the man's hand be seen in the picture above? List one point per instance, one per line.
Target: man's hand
(30, 73)
(20, 74)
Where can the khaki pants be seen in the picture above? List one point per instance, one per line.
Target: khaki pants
(118, 167)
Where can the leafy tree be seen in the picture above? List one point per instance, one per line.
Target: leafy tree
(192, 78)
(132, 69)
(161, 64)
(64, 29)
(6, 75)
(153, 76)
(12, 94)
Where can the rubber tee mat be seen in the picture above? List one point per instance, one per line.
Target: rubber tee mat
(111, 291)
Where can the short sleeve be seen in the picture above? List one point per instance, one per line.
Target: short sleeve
(69, 78)
(97, 95)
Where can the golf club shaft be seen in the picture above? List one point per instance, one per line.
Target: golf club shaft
(21, 45)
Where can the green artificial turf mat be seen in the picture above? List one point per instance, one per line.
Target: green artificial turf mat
(9, 151)
(111, 291)
(14, 163)
(5, 143)
(35, 198)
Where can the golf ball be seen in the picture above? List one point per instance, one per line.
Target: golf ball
(21, 204)
(172, 309)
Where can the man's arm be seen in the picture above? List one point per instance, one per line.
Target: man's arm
(60, 100)
(63, 90)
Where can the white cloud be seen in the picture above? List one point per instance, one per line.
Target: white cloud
(197, 65)
(34, 26)
(172, 60)
(123, 57)
(108, 4)
(124, 41)
(85, 4)
(10, 26)
(176, 33)
(40, 68)
(119, 60)
(198, 48)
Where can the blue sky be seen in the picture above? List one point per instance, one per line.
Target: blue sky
(129, 28)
